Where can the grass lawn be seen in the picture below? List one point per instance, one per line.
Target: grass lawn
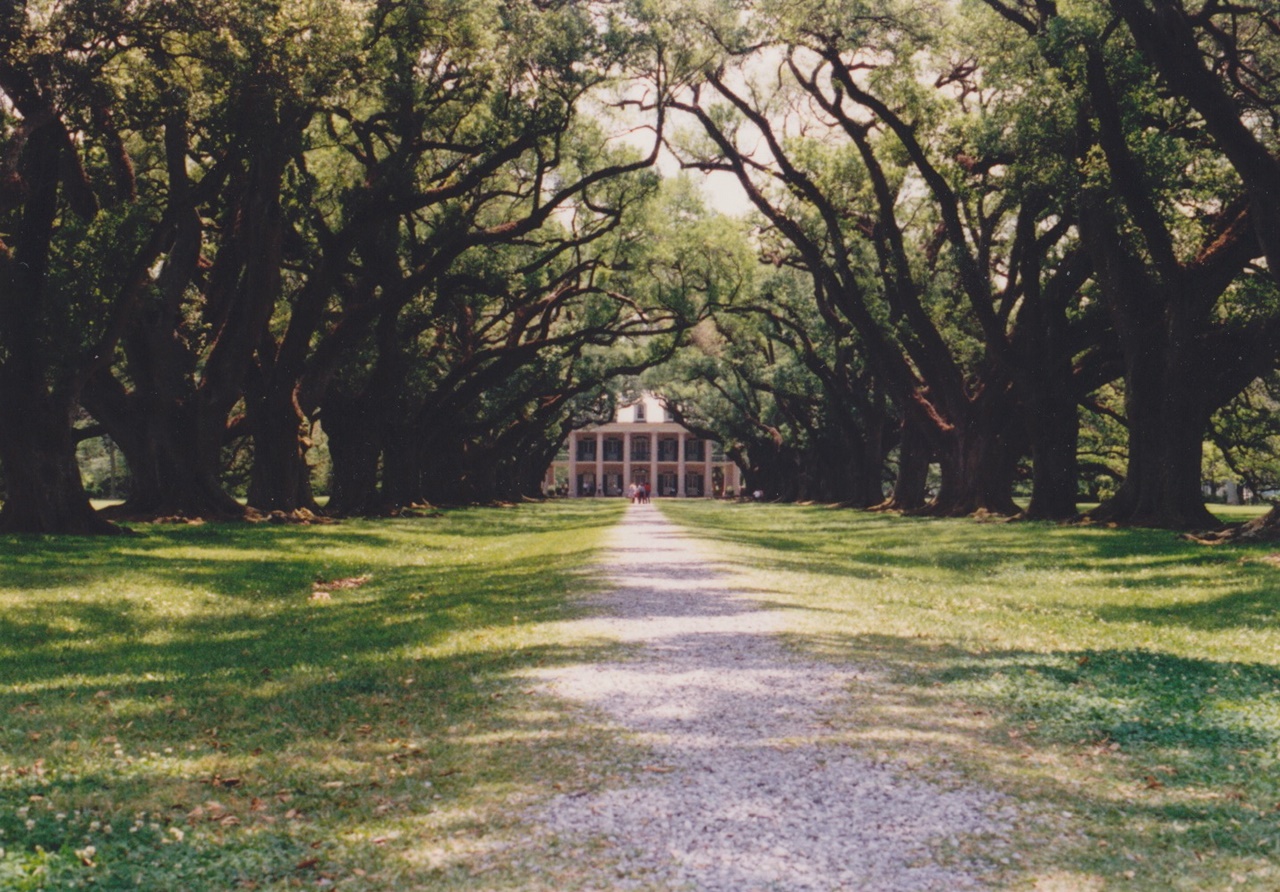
(228, 707)
(1124, 682)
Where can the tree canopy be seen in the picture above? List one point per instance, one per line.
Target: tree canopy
(438, 235)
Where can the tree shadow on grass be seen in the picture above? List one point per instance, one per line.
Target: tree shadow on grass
(1184, 748)
(256, 728)
(418, 607)
(1215, 589)
(217, 780)
(1252, 606)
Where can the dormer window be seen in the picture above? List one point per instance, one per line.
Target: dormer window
(639, 411)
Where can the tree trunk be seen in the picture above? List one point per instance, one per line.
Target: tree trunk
(870, 487)
(43, 489)
(839, 466)
(531, 471)
(1167, 421)
(977, 475)
(1053, 428)
(772, 474)
(280, 479)
(407, 460)
(175, 464)
(910, 486)
(44, 492)
(1044, 374)
(978, 456)
(355, 449)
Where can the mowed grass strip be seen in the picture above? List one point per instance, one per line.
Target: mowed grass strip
(267, 707)
(1125, 683)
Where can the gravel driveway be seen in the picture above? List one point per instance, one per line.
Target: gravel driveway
(742, 792)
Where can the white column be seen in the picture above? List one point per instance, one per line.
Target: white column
(626, 461)
(682, 443)
(706, 471)
(653, 461)
(599, 461)
(573, 464)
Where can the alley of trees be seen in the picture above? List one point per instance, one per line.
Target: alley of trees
(1017, 245)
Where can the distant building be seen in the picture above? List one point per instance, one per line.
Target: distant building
(642, 445)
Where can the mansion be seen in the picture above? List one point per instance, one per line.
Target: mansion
(643, 445)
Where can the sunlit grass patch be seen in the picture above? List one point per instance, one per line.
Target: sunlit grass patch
(226, 706)
(1125, 681)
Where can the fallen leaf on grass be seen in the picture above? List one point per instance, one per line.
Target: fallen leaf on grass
(306, 864)
(218, 780)
(414, 753)
(320, 590)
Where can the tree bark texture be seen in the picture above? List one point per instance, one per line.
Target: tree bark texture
(43, 489)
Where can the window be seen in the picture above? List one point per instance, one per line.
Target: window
(668, 450)
(613, 449)
(639, 411)
(640, 449)
(694, 450)
(587, 449)
(693, 484)
(666, 484)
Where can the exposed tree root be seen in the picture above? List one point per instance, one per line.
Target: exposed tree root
(1261, 529)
